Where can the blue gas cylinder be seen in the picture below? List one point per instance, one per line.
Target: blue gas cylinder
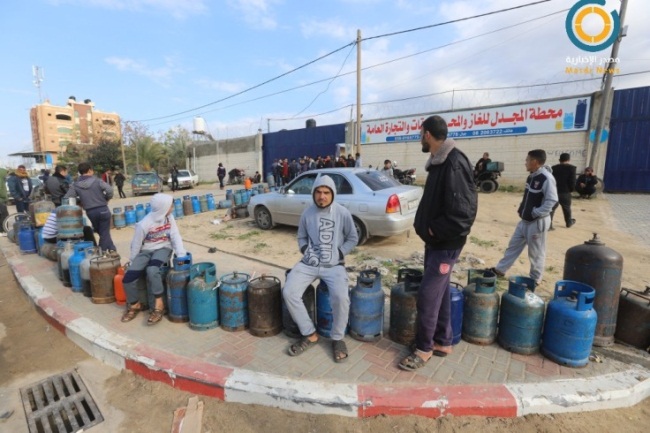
(367, 307)
(481, 310)
(225, 204)
(196, 206)
(119, 220)
(69, 220)
(233, 301)
(147, 209)
(229, 195)
(38, 238)
(178, 208)
(324, 315)
(237, 198)
(139, 212)
(177, 280)
(74, 263)
(210, 201)
(26, 239)
(129, 215)
(570, 324)
(457, 300)
(202, 302)
(403, 306)
(521, 317)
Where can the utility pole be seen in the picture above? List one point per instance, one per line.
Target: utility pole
(607, 87)
(357, 135)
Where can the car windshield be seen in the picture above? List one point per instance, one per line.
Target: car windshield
(376, 180)
(145, 176)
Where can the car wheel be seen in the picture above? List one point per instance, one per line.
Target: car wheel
(361, 231)
(263, 218)
(488, 186)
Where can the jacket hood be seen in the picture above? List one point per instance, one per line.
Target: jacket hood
(160, 204)
(324, 181)
(86, 181)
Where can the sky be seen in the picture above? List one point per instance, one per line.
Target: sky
(245, 65)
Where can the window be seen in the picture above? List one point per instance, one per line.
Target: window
(63, 117)
(302, 185)
(377, 181)
(341, 183)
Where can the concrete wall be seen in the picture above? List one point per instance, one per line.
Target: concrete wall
(243, 153)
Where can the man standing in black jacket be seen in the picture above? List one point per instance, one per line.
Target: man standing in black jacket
(443, 221)
(565, 180)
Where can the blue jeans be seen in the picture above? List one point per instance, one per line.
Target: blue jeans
(149, 262)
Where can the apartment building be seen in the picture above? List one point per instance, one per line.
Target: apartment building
(55, 127)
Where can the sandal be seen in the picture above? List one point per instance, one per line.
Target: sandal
(412, 362)
(442, 351)
(301, 346)
(340, 351)
(131, 312)
(155, 316)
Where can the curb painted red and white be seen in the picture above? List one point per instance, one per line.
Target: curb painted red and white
(607, 391)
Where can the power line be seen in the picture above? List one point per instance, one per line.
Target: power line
(367, 67)
(335, 51)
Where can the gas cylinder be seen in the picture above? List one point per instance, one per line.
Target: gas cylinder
(633, 326)
(188, 209)
(324, 315)
(84, 269)
(270, 180)
(177, 280)
(129, 215)
(233, 301)
(69, 220)
(147, 209)
(202, 304)
(178, 208)
(139, 212)
(48, 250)
(237, 198)
(38, 239)
(521, 317)
(230, 196)
(65, 263)
(26, 240)
(265, 306)
(118, 286)
(367, 307)
(309, 299)
(203, 203)
(196, 205)
(41, 211)
(481, 310)
(74, 263)
(457, 300)
(403, 306)
(61, 247)
(102, 272)
(570, 324)
(248, 184)
(210, 201)
(11, 235)
(600, 267)
(225, 204)
(119, 220)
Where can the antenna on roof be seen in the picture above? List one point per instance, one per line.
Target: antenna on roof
(39, 76)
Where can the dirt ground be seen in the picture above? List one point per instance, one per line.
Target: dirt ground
(30, 350)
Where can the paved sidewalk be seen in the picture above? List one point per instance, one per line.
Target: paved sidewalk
(474, 380)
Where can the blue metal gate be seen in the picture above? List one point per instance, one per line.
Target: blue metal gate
(627, 167)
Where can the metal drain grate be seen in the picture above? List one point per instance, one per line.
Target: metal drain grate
(59, 404)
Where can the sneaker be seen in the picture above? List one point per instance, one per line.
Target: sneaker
(496, 272)
(572, 222)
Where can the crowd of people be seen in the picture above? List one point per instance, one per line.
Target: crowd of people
(284, 171)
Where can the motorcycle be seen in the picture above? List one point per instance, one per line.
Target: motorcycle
(405, 177)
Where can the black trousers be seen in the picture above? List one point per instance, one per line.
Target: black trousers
(564, 200)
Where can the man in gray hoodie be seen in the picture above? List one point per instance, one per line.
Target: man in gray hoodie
(326, 234)
(93, 195)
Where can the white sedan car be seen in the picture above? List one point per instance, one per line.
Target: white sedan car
(380, 205)
(186, 179)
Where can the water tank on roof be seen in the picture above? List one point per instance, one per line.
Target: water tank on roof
(310, 123)
(199, 125)
(87, 101)
(72, 97)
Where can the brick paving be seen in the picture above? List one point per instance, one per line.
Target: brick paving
(369, 363)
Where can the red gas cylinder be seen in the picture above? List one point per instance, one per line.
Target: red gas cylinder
(120, 295)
